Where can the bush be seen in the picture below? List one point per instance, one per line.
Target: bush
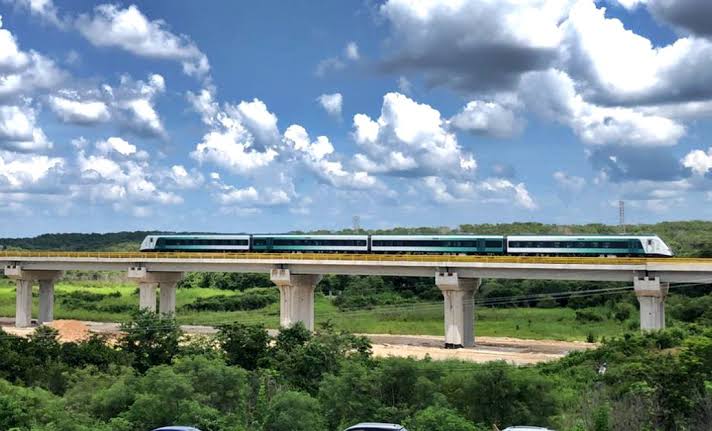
(151, 339)
(294, 411)
(253, 299)
(622, 311)
(439, 419)
(588, 315)
(244, 345)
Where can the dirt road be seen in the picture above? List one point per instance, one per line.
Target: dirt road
(513, 350)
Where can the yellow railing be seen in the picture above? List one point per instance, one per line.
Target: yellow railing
(139, 256)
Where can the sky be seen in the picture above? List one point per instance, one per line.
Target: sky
(274, 116)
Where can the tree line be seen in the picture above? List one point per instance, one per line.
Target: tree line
(245, 379)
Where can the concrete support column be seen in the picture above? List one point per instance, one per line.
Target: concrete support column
(296, 297)
(23, 303)
(459, 295)
(147, 296)
(149, 281)
(651, 295)
(168, 298)
(23, 298)
(46, 301)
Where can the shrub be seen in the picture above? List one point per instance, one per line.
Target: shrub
(588, 315)
(252, 299)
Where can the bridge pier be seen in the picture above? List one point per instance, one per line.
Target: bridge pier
(24, 280)
(459, 296)
(296, 297)
(651, 295)
(148, 282)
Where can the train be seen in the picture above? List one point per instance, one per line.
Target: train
(518, 245)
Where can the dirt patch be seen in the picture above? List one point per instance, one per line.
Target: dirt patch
(70, 330)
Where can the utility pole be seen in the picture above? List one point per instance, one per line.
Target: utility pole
(621, 215)
(357, 223)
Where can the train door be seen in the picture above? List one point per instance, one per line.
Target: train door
(269, 243)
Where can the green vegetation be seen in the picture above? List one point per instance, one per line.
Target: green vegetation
(247, 380)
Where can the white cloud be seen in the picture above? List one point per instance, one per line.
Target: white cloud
(22, 73)
(571, 183)
(449, 39)
(116, 144)
(409, 139)
(183, 179)
(331, 103)
(316, 157)
(231, 197)
(488, 118)
(404, 85)
(619, 66)
(134, 102)
(44, 9)
(25, 172)
(71, 109)
(499, 189)
(18, 131)
(351, 51)
(698, 161)
(328, 64)
(243, 138)
(132, 31)
(552, 94)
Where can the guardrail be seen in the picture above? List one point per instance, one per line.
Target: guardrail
(18, 255)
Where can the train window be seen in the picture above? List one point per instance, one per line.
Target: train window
(493, 243)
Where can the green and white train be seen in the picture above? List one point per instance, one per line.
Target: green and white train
(517, 245)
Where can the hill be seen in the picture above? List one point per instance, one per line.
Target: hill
(687, 238)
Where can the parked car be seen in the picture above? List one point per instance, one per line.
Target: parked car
(375, 426)
(526, 428)
(176, 428)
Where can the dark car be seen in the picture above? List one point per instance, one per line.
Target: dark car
(375, 426)
(176, 428)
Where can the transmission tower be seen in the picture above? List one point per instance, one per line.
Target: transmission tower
(621, 215)
(357, 223)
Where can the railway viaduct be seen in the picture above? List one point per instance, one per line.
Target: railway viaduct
(296, 276)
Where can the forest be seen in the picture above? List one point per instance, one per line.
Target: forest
(245, 379)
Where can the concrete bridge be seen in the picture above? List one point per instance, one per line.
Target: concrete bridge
(296, 276)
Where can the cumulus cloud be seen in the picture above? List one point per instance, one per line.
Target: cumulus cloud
(336, 63)
(126, 182)
(351, 51)
(692, 16)
(503, 190)
(19, 132)
(698, 161)
(181, 178)
(568, 182)
(242, 138)
(488, 118)
(22, 73)
(29, 173)
(132, 31)
(70, 108)
(474, 45)
(552, 93)
(44, 9)
(409, 139)
(317, 156)
(134, 103)
(619, 66)
(331, 103)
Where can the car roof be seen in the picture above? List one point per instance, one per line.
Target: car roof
(526, 428)
(376, 425)
(176, 428)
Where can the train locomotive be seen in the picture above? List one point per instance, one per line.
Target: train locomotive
(515, 245)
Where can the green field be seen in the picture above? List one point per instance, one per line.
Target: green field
(416, 319)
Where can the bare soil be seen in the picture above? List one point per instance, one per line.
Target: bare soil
(513, 350)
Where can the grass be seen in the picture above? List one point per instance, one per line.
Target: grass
(415, 319)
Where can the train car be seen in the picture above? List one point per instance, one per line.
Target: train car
(310, 243)
(587, 245)
(438, 244)
(196, 243)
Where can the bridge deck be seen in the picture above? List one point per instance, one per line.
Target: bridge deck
(152, 256)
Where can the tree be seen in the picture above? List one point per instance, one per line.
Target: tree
(439, 419)
(294, 411)
(245, 345)
(151, 339)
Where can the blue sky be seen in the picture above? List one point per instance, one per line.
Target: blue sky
(274, 116)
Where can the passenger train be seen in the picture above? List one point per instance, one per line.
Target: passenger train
(519, 245)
